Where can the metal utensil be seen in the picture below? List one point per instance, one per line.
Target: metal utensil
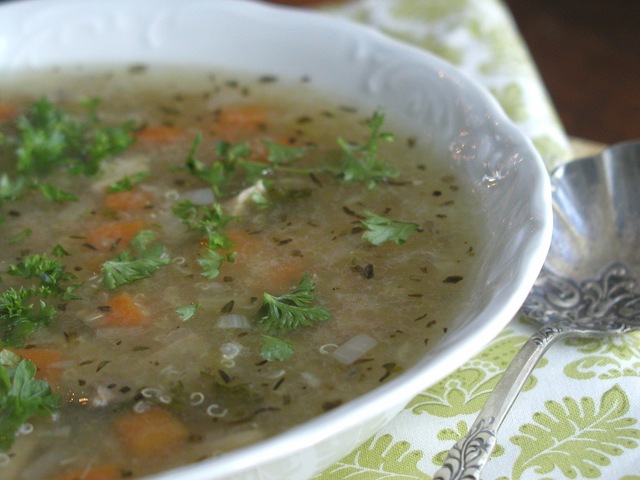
(587, 287)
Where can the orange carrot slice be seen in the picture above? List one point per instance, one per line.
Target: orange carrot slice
(239, 123)
(8, 112)
(129, 200)
(44, 360)
(114, 236)
(150, 433)
(123, 311)
(160, 134)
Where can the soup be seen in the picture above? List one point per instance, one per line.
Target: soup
(193, 263)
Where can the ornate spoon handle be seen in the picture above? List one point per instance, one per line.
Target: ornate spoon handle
(467, 457)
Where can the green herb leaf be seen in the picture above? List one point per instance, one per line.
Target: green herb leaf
(361, 163)
(54, 194)
(137, 263)
(22, 396)
(21, 313)
(22, 236)
(215, 175)
(211, 263)
(187, 312)
(293, 310)
(382, 229)
(275, 349)
(209, 221)
(49, 138)
(127, 183)
(19, 317)
(283, 154)
(59, 252)
(48, 271)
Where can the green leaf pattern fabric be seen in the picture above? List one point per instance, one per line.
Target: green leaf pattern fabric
(581, 426)
(579, 414)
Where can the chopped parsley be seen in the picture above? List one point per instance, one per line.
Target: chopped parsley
(381, 229)
(20, 237)
(275, 349)
(209, 221)
(54, 194)
(49, 272)
(187, 312)
(22, 396)
(24, 310)
(20, 316)
(140, 261)
(50, 137)
(211, 263)
(127, 183)
(361, 164)
(292, 310)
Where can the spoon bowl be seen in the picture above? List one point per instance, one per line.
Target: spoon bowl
(587, 287)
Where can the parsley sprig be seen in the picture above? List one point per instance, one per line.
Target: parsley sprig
(292, 310)
(358, 163)
(22, 396)
(24, 310)
(140, 261)
(210, 222)
(20, 316)
(126, 183)
(235, 166)
(48, 139)
(361, 163)
(381, 229)
(275, 349)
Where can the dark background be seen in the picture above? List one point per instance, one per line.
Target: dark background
(588, 54)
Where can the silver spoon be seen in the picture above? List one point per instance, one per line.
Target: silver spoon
(587, 287)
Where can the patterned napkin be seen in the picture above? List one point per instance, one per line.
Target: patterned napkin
(579, 415)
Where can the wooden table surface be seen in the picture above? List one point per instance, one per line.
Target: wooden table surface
(588, 54)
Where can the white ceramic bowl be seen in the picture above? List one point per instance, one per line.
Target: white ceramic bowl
(436, 103)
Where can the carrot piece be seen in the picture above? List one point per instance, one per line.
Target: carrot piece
(160, 134)
(44, 359)
(245, 244)
(282, 277)
(101, 472)
(239, 123)
(149, 433)
(276, 279)
(106, 237)
(124, 312)
(129, 200)
(7, 112)
(259, 150)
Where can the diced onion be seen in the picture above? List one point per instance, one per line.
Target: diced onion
(202, 196)
(233, 320)
(354, 348)
(311, 379)
(25, 429)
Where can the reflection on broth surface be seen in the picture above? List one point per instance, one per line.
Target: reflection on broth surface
(197, 262)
